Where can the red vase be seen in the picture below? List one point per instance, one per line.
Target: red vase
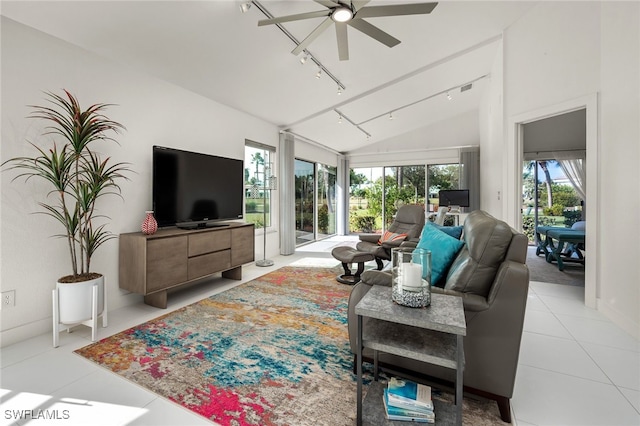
(149, 224)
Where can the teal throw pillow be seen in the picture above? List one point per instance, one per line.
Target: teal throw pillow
(444, 249)
(454, 231)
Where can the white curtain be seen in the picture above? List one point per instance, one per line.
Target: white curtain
(574, 169)
(470, 175)
(342, 190)
(286, 156)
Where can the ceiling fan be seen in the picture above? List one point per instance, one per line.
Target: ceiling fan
(352, 13)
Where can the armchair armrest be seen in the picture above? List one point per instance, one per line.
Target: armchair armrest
(412, 243)
(370, 238)
(372, 277)
(392, 244)
(471, 302)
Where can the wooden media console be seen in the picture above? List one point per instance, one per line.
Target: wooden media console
(152, 264)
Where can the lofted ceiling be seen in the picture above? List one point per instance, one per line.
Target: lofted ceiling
(213, 49)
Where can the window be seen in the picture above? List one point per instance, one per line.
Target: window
(377, 192)
(259, 168)
(441, 176)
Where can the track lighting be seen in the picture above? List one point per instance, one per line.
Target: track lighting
(244, 7)
(341, 15)
(446, 92)
(340, 119)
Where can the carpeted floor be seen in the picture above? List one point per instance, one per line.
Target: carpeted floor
(273, 351)
(540, 270)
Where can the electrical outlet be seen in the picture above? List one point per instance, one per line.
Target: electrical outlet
(8, 299)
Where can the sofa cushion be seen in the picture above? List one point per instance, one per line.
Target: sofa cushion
(443, 249)
(487, 241)
(454, 231)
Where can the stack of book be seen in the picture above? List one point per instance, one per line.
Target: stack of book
(405, 400)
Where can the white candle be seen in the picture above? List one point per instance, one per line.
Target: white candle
(411, 276)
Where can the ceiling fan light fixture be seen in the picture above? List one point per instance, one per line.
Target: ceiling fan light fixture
(342, 14)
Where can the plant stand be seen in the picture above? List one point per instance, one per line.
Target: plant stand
(91, 322)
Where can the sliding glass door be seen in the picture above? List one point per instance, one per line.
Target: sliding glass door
(305, 201)
(326, 201)
(315, 201)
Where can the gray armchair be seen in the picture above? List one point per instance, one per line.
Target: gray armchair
(409, 220)
(490, 275)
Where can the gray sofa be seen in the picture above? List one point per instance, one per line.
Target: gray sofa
(491, 276)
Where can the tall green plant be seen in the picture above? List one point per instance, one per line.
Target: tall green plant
(78, 175)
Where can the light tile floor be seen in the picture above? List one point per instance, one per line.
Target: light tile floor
(576, 367)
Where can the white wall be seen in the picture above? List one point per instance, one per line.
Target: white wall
(561, 51)
(432, 144)
(310, 152)
(154, 112)
(619, 155)
(492, 161)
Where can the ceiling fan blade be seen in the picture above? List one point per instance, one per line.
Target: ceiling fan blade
(297, 17)
(312, 36)
(327, 3)
(343, 41)
(374, 32)
(358, 4)
(396, 10)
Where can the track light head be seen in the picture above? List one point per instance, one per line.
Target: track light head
(304, 59)
(244, 7)
(339, 90)
(449, 96)
(319, 73)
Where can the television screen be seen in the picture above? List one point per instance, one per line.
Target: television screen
(454, 197)
(191, 189)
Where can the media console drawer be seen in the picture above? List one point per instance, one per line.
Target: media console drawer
(165, 262)
(208, 264)
(203, 242)
(152, 264)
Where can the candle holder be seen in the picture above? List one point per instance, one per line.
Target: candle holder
(411, 272)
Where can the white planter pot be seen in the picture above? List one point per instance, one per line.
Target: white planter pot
(75, 300)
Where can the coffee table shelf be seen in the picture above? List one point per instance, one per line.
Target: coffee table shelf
(433, 335)
(373, 410)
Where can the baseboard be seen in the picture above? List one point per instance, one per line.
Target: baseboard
(618, 319)
(25, 331)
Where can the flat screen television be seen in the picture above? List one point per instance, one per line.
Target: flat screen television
(193, 190)
(454, 197)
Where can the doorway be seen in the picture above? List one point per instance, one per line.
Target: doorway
(513, 178)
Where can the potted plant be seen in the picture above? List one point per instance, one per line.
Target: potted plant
(78, 178)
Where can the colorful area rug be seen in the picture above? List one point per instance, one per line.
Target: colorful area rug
(273, 351)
